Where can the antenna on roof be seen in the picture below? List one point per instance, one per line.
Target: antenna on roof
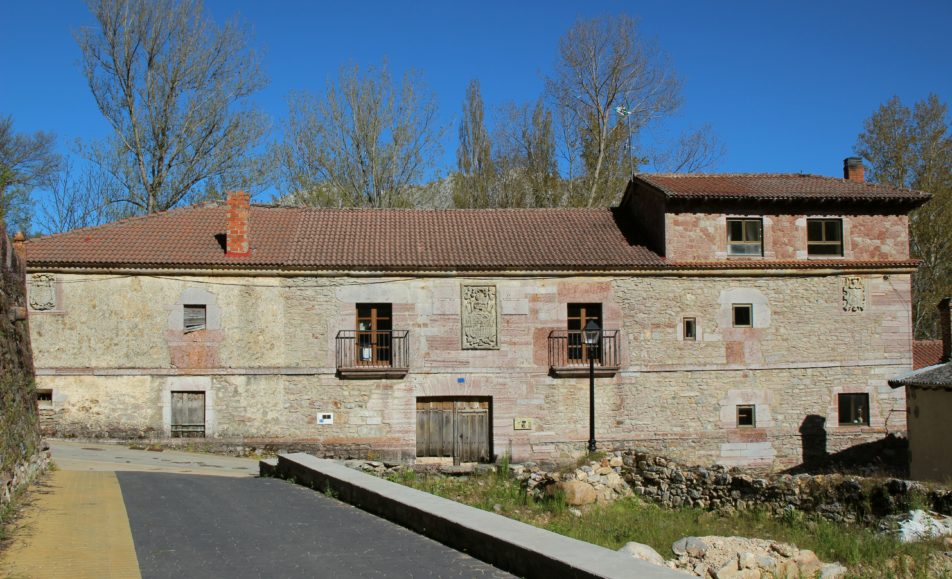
(625, 113)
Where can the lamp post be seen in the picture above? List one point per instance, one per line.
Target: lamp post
(592, 334)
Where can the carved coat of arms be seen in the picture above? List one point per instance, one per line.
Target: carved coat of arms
(479, 317)
(42, 292)
(854, 294)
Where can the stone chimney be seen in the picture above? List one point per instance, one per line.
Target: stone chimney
(945, 328)
(236, 238)
(853, 169)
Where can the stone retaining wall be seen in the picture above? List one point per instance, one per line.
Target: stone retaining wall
(19, 431)
(836, 497)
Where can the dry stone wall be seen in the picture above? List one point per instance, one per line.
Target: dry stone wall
(21, 457)
(834, 496)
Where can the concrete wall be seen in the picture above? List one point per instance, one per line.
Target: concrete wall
(929, 433)
(112, 350)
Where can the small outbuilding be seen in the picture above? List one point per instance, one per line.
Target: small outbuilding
(929, 406)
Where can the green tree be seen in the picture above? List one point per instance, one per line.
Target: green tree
(175, 88)
(365, 143)
(474, 181)
(525, 156)
(27, 162)
(912, 147)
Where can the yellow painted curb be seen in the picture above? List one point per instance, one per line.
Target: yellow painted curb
(77, 527)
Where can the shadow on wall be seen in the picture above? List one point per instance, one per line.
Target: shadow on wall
(887, 456)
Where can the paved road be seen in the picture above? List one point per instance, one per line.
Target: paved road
(199, 526)
(114, 512)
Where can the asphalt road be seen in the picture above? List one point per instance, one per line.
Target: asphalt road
(210, 526)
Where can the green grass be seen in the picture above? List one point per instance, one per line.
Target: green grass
(865, 552)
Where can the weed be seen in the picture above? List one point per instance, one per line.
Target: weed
(866, 552)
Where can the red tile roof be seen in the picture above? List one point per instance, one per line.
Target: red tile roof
(773, 186)
(926, 353)
(357, 239)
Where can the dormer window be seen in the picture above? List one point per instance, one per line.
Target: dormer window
(824, 237)
(745, 237)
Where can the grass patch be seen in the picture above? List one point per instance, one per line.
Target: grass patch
(864, 551)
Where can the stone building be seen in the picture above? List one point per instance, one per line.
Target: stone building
(747, 320)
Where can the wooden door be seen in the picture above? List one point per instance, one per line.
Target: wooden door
(578, 316)
(188, 414)
(374, 335)
(454, 427)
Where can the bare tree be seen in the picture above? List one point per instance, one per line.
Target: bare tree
(474, 181)
(76, 199)
(693, 152)
(174, 87)
(365, 143)
(26, 162)
(604, 64)
(913, 148)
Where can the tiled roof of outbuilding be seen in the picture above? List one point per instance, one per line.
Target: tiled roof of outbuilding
(771, 186)
(926, 353)
(358, 240)
(938, 376)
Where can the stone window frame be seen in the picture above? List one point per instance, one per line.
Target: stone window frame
(195, 297)
(867, 406)
(189, 384)
(682, 331)
(44, 398)
(753, 415)
(734, 309)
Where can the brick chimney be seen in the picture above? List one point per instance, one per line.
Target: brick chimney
(236, 238)
(945, 327)
(853, 169)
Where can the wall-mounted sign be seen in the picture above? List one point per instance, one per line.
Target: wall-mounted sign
(522, 423)
(325, 418)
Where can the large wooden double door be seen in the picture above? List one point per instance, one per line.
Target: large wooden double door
(454, 427)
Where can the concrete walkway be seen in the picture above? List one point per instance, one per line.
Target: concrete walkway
(76, 527)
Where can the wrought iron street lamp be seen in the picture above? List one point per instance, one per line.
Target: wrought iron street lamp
(592, 334)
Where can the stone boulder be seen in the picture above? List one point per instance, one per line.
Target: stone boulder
(642, 552)
(743, 558)
(575, 492)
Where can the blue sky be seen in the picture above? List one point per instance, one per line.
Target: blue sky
(785, 85)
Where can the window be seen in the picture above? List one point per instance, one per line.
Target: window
(374, 333)
(854, 408)
(578, 316)
(746, 416)
(194, 317)
(743, 315)
(690, 328)
(824, 237)
(44, 398)
(745, 237)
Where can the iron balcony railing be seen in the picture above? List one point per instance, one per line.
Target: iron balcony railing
(567, 349)
(383, 349)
